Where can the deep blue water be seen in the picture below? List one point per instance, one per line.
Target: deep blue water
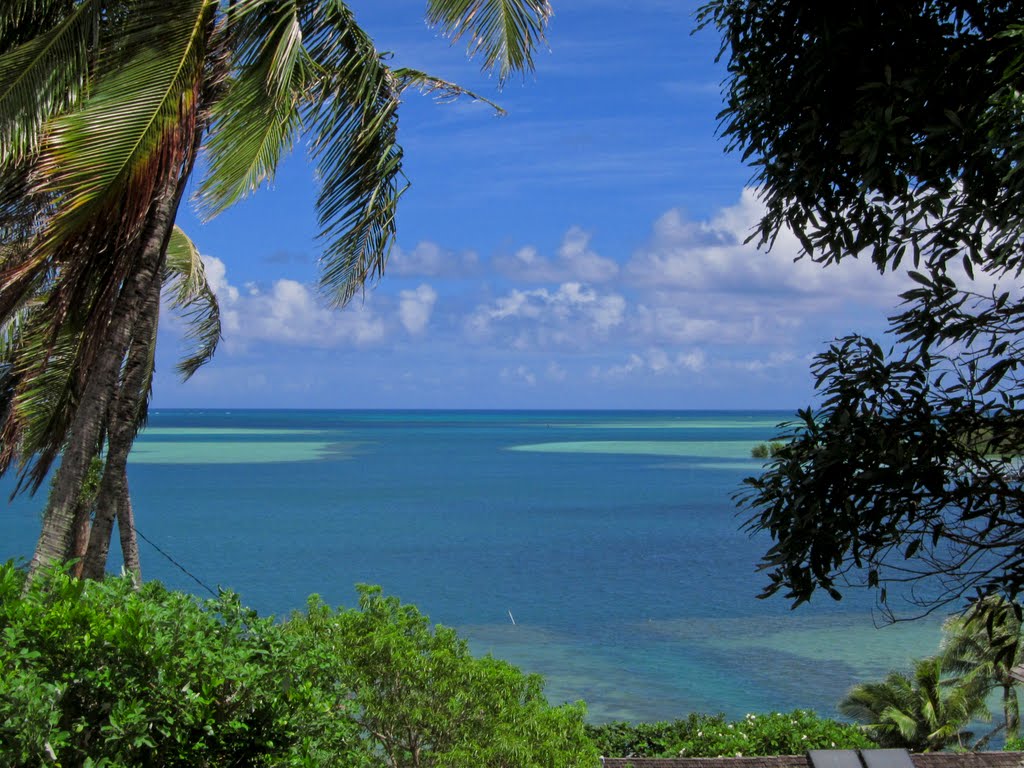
(613, 542)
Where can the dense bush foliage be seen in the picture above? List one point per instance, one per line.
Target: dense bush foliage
(98, 674)
(777, 733)
(767, 450)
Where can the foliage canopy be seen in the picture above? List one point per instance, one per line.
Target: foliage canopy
(98, 671)
(776, 733)
(889, 130)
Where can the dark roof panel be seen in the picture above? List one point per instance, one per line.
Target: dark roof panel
(926, 760)
(834, 758)
(886, 758)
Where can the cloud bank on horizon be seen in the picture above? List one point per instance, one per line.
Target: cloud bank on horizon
(589, 250)
(692, 316)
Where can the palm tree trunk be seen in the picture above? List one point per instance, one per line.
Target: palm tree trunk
(83, 523)
(126, 530)
(56, 538)
(124, 417)
(58, 519)
(1010, 710)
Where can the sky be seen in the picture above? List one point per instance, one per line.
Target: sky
(587, 250)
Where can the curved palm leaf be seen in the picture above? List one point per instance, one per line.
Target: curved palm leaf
(441, 90)
(191, 294)
(107, 151)
(256, 121)
(307, 65)
(46, 74)
(503, 32)
(45, 404)
(351, 113)
(44, 398)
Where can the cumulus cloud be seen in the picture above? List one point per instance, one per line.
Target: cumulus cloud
(430, 260)
(415, 308)
(572, 314)
(520, 374)
(712, 257)
(288, 312)
(655, 361)
(575, 261)
(780, 359)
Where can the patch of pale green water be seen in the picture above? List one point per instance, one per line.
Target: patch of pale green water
(722, 449)
(613, 687)
(681, 423)
(227, 452)
(856, 642)
(159, 432)
(745, 466)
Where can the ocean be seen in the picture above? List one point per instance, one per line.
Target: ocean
(601, 549)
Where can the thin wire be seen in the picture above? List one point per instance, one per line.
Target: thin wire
(181, 567)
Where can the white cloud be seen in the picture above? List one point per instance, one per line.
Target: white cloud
(415, 308)
(712, 257)
(227, 294)
(520, 374)
(655, 361)
(288, 312)
(575, 262)
(430, 260)
(572, 314)
(555, 372)
(583, 263)
(780, 359)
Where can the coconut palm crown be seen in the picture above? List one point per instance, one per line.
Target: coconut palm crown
(984, 645)
(923, 713)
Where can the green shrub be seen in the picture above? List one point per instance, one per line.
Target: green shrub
(766, 450)
(714, 736)
(98, 674)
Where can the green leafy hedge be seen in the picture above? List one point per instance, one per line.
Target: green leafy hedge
(99, 674)
(714, 736)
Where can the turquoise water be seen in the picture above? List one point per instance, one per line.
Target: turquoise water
(610, 538)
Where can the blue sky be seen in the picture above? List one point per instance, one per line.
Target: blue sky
(584, 251)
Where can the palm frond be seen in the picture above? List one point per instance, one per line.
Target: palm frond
(109, 148)
(441, 90)
(22, 20)
(503, 32)
(43, 76)
(191, 294)
(351, 113)
(256, 121)
(43, 396)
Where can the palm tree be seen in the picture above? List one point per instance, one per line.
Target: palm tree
(983, 645)
(104, 107)
(922, 713)
(44, 408)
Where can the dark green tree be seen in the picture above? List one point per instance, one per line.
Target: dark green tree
(418, 698)
(889, 130)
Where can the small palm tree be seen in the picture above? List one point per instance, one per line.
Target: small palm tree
(922, 713)
(983, 645)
